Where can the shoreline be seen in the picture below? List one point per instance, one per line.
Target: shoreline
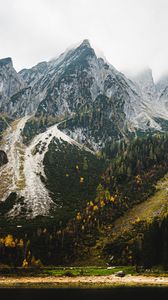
(108, 281)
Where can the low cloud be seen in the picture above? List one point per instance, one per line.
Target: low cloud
(131, 34)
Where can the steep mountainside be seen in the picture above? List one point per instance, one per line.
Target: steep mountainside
(29, 173)
(130, 237)
(78, 98)
(162, 83)
(154, 99)
(10, 85)
(80, 146)
(146, 84)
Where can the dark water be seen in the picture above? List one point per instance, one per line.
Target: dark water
(144, 293)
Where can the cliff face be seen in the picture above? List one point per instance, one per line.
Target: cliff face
(83, 87)
(10, 83)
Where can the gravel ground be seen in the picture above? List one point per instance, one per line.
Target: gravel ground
(111, 280)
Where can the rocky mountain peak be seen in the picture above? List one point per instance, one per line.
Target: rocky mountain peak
(162, 83)
(145, 78)
(6, 61)
(86, 48)
(10, 82)
(145, 82)
(72, 82)
(86, 43)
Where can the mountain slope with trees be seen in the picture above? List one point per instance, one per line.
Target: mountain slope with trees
(83, 151)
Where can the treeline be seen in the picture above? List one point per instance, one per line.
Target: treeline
(36, 125)
(96, 122)
(16, 252)
(134, 167)
(155, 245)
(130, 177)
(35, 245)
(148, 248)
(137, 156)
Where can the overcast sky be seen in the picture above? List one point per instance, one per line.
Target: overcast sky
(131, 34)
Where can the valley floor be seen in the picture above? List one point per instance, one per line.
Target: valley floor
(83, 281)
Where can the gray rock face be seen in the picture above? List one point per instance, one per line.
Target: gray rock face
(33, 75)
(63, 85)
(74, 83)
(3, 158)
(10, 82)
(162, 88)
(162, 83)
(146, 84)
(153, 106)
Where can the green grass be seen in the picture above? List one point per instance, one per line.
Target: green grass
(45, 272)
(66, 271)
(155, 206)
(79, 271)
(88, 271)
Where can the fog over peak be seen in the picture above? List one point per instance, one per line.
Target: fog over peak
(131, 34)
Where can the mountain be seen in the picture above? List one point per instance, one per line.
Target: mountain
(154, 99)
(146, 84)
(10, 84)
(81, 144)
(78, 78)
(87, 90)
(78, 98)
(162, 83)
(74, 83)
(85, 98)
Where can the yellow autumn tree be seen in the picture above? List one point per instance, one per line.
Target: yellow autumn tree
(25, 264)
(100, 191)
(78, 216)
(95, 208)
(36, 263)
(2, 240)
(107, 195)
(33, 261)
(81, 179)
(102, 203)
(9, 241)
(20, 243)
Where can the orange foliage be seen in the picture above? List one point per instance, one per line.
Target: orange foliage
(9, 241)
